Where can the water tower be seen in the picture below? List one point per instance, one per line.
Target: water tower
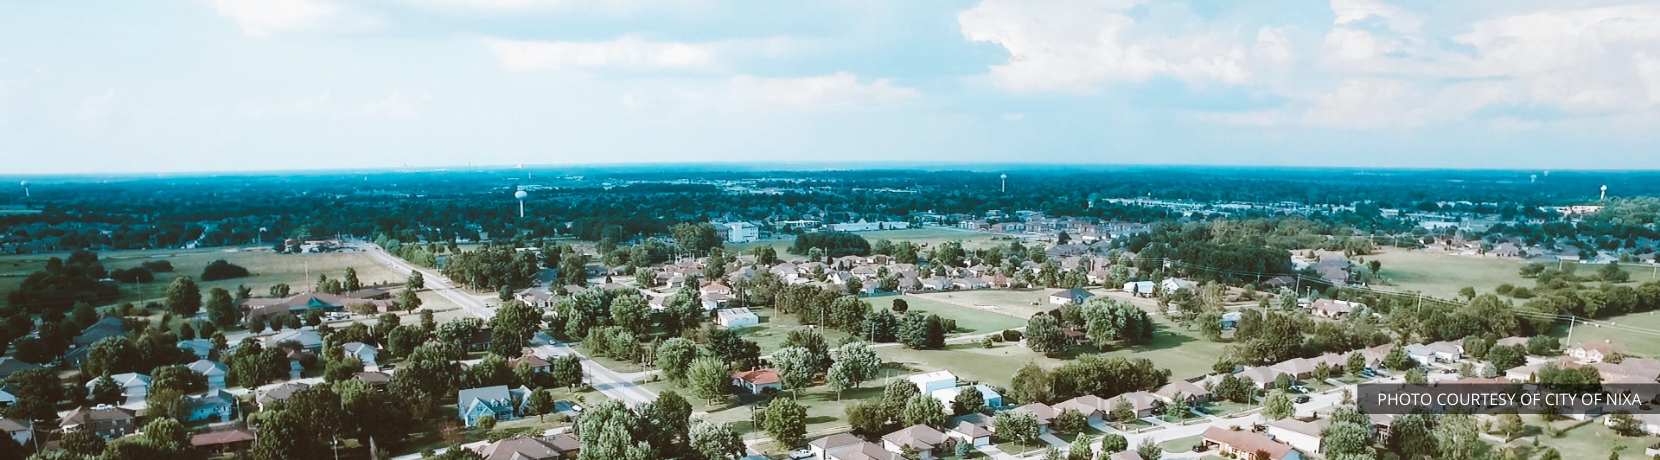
(1005, 178)
(26, 189)
(521, 196)
(1604, 194)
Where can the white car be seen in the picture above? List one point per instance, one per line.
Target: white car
(801, 454)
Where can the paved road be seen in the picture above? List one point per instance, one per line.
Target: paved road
(617, 385)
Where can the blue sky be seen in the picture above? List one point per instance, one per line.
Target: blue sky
(224, 85)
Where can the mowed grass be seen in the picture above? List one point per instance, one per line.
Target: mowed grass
(825, 411)
(1017, 303)
(969, 320)
(1593, 440)
(1442, 275)
(1642, 344)
(922, 236)
(265, 269)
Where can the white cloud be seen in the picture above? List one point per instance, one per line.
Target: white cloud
(1273, 46)
(263, 18)
(606, 7)
(395, 106)
(837, 91)
(1073, 45)
(1356, 11)
(624, 53)
(94, 108)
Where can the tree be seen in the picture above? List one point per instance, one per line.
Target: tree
(900, 306)
(1149, 450)
(1622, 422)
(716, 442)
(404, 339)
(867, 418)
(285, 435)
(1110, 321)
(37, 392)
(486, 422)
(409, 300)
(1397, 359)
(923, 410)
(1346, 440)
(491, 371)
(1416, 376)
(1412, 436)
(854, 363)
(221, 308)
(1070, 421)
(921, 332)
(1277, 406)
(1458, 439)
(968, 401)
(1114, 443)
(106, 391)
(895, 396)
(708, 379)
(1322, 371)
(222, 270)
(352, 283)
(1080, 450)
(630, 311)
(83, 443)
(1030, 384)
(1354, 363)
(1123, 412)
(786, 422)
(728, 347)
(1506, 358)
(183, 297)
(111, 355)
(796, 367)
(1044, 335)
(342, 369)
(674, 357)
(512, 327)
(1021, 427)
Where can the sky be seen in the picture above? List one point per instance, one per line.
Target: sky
(237, 85)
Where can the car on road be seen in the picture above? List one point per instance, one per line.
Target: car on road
(801, 454)
(1302, 399)
(1299, 388)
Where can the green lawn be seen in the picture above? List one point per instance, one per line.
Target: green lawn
(1018, 303)
(1631, 343)
(1442, 275)
(969, 320)
(1592, 440)
(825, 412)
(1180, 444)
(774, 328)
(265, 269)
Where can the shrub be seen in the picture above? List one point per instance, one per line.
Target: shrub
(1011, 335)
(222, 270)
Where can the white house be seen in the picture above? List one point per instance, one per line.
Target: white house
(214, 371)
(1141, 288)
(134, 386)
(922, 439)
(741, 232)
(363, 352)
(934, 381)
(1069, 296)
(1591, 352)
(757, 381)
(736, 318)
(974, 429)
(990, 396)
(1305, 436)
(1172, 285)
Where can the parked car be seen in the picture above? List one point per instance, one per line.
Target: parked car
(801, 454)
(1302, 399)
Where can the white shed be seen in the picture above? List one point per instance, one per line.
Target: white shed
(736, 318)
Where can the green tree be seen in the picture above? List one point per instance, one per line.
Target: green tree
(867, 418)
(1149, 450)
(796, 367)
(1030, 384)
(630, 311)
(352, 283)
(1347, 440)
(786, 422)
(38, 392)
(1277, 406)
(409, 300)
(717, 442)
(285, 435)
(106, 391)
(221, 308)
(183, 297)
(111, 355)
(968, 401)
(512, 327)
(1044, 335)
(1114, 443)
(1080, 450)
(82, 443)
(1020, 427)
(855, 363)
(674, 357)
(1070, 421)
(708, 379)
(924, 410)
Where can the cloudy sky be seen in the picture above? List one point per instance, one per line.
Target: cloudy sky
(217, 85)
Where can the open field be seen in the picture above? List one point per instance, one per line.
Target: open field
(969, 320)
(922, 236)
(265, 269)
(1442, 275)
(1015, 303)
(1592, 440)
(774, 328)
(1643, 344)
(824, 411)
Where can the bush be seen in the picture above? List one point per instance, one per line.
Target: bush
(222, 270)
(1011, 335)
(157, 266)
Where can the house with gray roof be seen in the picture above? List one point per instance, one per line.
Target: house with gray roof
(498, 401)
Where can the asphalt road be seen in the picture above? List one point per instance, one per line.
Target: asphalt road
(617, 385)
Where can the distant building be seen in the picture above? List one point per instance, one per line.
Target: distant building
(930, 382)
(740, 232)
(736, 318)
(1069, 297)
(757, 381)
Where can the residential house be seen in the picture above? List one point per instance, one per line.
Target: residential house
(106, 327)
(1042, 412)
(134, 386)
(845, 446)
(213, 370)
(214, 406)
(539, 297)
(757, 381)
(1263, 376)
(105, 421)
(1591, 352)
(277, 393)
(922, 439)
(376, 380)
(1143, 403)
(498, 401)
(562, 446)
(1141, 288)
(970, 282)
(300, 304)
(1329, 308)
(935, 283)
(363, 352)
(1069, 297)
(736, 318)
(1231, 319)
(1298, 368)
(308, 339)
(219, 442)
(1302, 435)
(930, 382)
(1094, 407)
(1247, 445)
(10, 365)
(1174, 285)
(530, 360)
(1375, 356)
(202, 348)
(1194, 393)
(948, 396)
(21, 432)
(974, 429)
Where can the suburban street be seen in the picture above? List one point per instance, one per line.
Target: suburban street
(614, 384)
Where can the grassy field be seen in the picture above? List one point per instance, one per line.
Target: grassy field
(265, 269)
(774, 328)
(1442, 275)
(1013, 303)
(1593, 440)
(969, 320)
(926, 236)
(1643, 344)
